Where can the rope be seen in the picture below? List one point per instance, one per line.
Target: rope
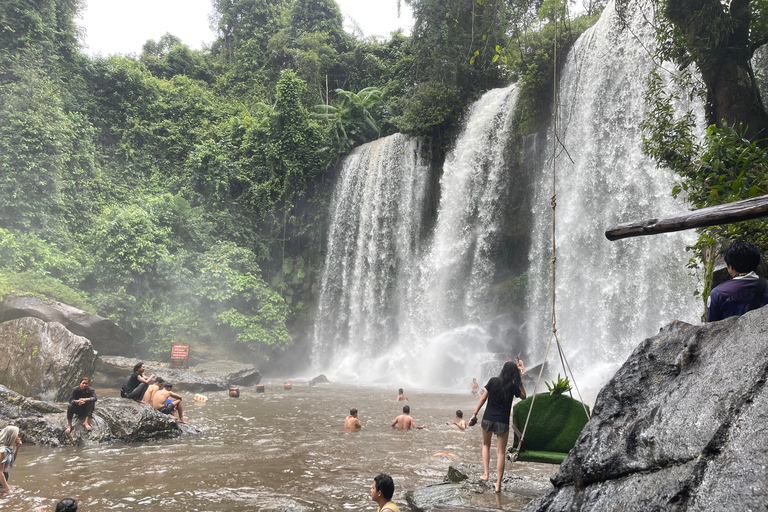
(553, 204)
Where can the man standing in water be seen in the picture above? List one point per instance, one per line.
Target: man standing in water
(405, 421)
(352, 424)
(401, 396)
(459, 422)
(136, 383)
(381, 492)
(166, 401)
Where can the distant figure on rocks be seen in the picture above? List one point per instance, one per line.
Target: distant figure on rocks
(459, 421)
(352, 424)
(381, 492)
(405, 421)
(136, 384)
(475, 387)
(166, 401)
(152, 389)
(746, 291)
(499, 392)
(401, 396)
(82, 401)
(9, 451)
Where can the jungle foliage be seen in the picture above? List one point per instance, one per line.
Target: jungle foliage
(183, 193)
(713, 44)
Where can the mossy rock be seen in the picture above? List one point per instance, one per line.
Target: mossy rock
(555, 424)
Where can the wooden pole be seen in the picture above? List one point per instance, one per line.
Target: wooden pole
(711, 216)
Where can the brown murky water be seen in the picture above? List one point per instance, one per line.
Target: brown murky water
(264, 452)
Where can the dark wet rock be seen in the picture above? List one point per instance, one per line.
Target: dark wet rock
(105, 336)
(43, 359)
(114, 419)
(320, 379)
(462, 489)
(681, 426)
(111, 371)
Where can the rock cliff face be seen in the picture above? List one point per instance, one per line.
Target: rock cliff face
(681, 426)
(43, 359)
(105, 336)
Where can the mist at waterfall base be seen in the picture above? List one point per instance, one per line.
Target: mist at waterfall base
(410, 302)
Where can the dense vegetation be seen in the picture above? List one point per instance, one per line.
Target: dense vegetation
(183, 193)
(713, 44)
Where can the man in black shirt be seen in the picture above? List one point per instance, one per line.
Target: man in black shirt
(136, 383)
(81, 402)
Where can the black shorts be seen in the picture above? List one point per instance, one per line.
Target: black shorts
(495, 426)
(167, 408)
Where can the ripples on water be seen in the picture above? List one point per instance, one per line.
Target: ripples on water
(259, 452)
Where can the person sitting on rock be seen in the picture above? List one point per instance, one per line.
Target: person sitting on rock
(166, 401)
(746, 291)
(152, 389)
(459, 422)
(351, 423)
(405, 421)
(82, 401)
(136, 384)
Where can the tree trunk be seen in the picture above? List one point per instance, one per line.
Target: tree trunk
(723, 57)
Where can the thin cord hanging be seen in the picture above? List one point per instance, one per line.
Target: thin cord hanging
(553, 204)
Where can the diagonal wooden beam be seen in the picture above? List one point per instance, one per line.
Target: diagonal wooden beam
(711, 216)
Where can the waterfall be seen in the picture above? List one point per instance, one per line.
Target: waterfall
(416, 303)
(610, 295)
(373, 252)
(392, 302)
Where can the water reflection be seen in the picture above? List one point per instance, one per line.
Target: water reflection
(260, 452)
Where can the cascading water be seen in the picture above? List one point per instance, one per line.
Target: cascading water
(388, 305)
(373, 251)
(419, 310)
(610, 295)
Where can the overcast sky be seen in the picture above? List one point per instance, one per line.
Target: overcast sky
(121, 26)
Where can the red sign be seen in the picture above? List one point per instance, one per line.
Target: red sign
(179, 351)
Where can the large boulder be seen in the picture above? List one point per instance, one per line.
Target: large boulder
(105, 336)
(111, 371)
(114, 419)
(681, 426)
(43, 359)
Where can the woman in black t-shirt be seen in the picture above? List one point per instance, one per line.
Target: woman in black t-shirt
(499, 392)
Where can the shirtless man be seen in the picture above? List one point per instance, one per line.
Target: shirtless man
(405, 421)
(352, 424)
(166, 401)
(459, 422)
(152, 389)
(401, 396)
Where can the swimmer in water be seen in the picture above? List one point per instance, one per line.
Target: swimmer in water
(475, 387)
(405, 421)
(401, 396)
(459, 422)
(352, 424)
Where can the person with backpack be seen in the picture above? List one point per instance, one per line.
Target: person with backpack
(136, 384)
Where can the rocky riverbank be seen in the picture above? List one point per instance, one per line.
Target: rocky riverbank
(115, 419)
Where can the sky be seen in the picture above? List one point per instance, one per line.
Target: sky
(122, 26)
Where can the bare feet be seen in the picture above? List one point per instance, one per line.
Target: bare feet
(68, 430)
(87, 427)
(497, 489)
(484, 478)
(181, 421)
